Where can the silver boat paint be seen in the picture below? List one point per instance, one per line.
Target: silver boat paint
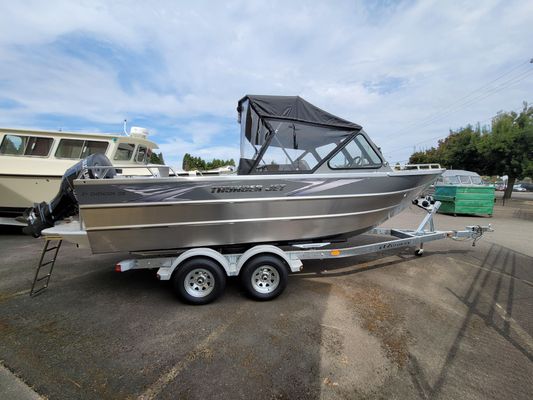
(173, 213)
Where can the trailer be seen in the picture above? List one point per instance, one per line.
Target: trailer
(198, 275)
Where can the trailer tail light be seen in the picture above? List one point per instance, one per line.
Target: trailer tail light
(125, 265)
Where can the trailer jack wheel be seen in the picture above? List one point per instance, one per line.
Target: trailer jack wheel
(419, 252)
(199, 280)
(264, 277)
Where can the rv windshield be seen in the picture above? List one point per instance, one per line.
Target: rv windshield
(277, 145)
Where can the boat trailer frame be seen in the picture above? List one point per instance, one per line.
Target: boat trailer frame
(232, 263)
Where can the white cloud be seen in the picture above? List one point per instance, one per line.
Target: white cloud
(193, 62)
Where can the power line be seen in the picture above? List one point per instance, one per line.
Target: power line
(504, 85)
(456, 106)
(441, 136)
(461, 100)
(473, 96)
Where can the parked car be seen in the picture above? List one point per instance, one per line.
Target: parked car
(527, 186)
(519, 188)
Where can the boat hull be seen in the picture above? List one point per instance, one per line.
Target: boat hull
(21, 191)
(211, 212)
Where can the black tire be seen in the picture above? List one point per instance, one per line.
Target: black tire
(264, 277)
(186, 280)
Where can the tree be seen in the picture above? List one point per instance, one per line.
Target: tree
(187, 162)
(508, 148)
(504, 149)
(431, 156)
(197, 163)
(156, 158)
(459, 150)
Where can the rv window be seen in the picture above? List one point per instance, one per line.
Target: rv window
(38, 146)
(69, 148)
(451, 180)
(141, 154)
(26, 145)
(357, 153)
(92, 147)
(124, 151)
(13, 145)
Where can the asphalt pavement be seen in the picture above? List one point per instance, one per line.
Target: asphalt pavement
(455, 323)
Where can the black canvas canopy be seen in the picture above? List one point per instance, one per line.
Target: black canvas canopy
(287, 133)
(294, 108)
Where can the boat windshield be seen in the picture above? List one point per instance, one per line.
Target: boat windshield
(276, 144)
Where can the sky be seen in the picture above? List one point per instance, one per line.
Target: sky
(407, 71)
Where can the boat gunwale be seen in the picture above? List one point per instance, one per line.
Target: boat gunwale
(232, 177)
(244, 200)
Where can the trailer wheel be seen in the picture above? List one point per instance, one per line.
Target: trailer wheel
(264, 277)
(199, 280)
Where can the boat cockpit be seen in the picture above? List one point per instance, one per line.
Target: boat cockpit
(286, 134)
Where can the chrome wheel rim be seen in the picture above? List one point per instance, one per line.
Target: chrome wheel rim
(265, 279)
(199, 282)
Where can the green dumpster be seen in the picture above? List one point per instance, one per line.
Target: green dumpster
(465, 199)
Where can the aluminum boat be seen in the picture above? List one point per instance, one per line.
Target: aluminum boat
(304, 175)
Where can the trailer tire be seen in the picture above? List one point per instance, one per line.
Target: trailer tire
(264, 277)
(199, 280)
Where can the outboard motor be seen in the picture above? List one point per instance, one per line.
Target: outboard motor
(65, 204)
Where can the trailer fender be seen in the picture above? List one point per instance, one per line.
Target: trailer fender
(294, 262)
(165, 273)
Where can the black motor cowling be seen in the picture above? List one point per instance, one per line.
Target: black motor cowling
(65, 204)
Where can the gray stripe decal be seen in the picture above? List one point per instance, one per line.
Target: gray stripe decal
(256, 199)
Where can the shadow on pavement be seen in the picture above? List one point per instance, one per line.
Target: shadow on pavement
(98, 334)
(499, 262)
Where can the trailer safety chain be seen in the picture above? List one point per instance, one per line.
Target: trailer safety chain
(477, 232)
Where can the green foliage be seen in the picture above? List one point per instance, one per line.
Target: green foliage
(156, 158)
(431, 156)
(197, 163)
(459, 150)
(504, 149)
(508, 149)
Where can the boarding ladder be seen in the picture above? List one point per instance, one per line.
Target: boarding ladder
(52, 245)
